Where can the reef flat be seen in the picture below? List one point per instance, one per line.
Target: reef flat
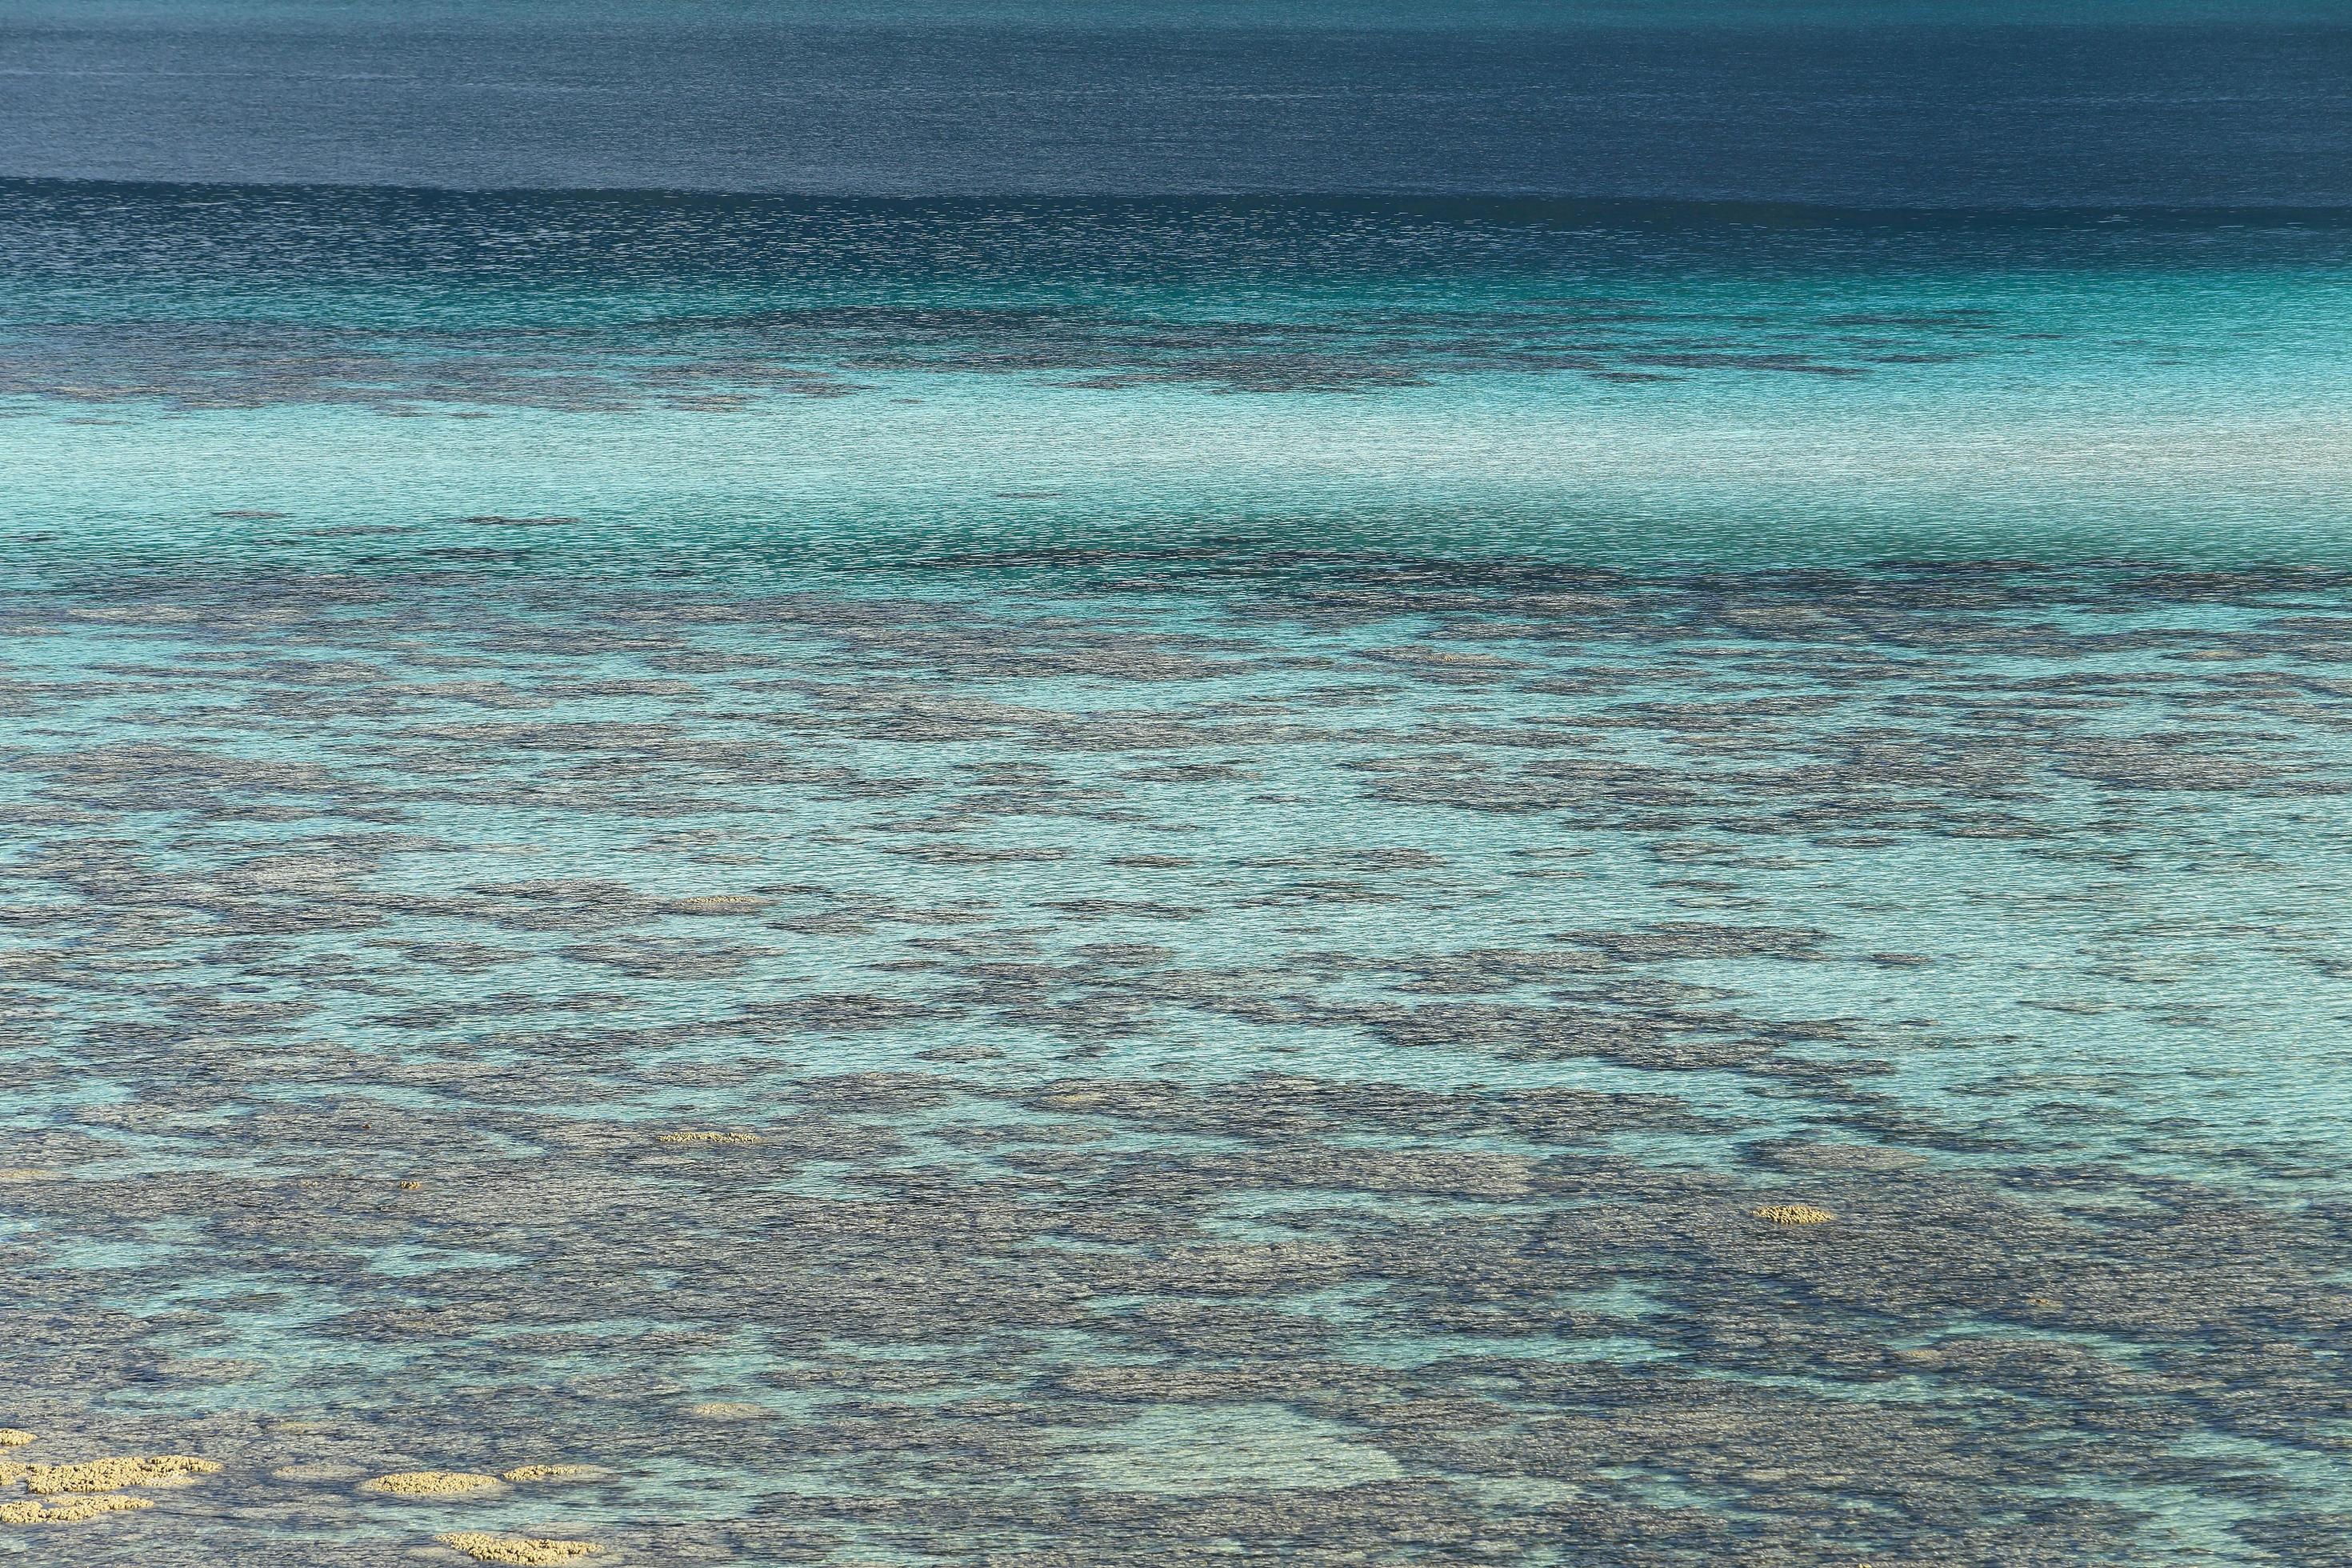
(1133, 1057)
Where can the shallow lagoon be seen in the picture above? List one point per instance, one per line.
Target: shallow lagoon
(1183, 948)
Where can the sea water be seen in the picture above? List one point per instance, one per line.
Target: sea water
(1076, 879)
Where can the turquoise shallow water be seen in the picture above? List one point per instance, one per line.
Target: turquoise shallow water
(847, 381)
(1146, 882)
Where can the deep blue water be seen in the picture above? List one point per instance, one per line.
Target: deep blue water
(1122, 786)
(1949, 105)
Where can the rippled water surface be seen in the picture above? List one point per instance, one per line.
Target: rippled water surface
(1154, 882)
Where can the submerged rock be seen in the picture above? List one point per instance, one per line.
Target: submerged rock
(719, 904)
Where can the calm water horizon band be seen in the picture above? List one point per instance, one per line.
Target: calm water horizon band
(1032, 784)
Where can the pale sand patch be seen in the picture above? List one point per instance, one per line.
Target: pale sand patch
(321, 1472)
(1794, 1213)
(13, 1437)
(1196, 1450)
(531, 1550)
(728, 1410)
(698, 1137)
(431, 1483)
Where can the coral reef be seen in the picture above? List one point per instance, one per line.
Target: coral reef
(106, 1475)
(526, 1550)
(70, 1509)
(430, 1483)
(554, 1473)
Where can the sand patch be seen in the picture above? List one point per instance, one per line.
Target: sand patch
(106, 1475)
(307, 1474)
(537, 1552)
(69, 1509)
(698, 1137)
(1195, 1451)
(728, 1410)
(13, 1437)
(1794, 1213)
(430, 1483)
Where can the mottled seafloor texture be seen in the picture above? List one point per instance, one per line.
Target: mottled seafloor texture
(1075, 884)
(1262, 1055)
